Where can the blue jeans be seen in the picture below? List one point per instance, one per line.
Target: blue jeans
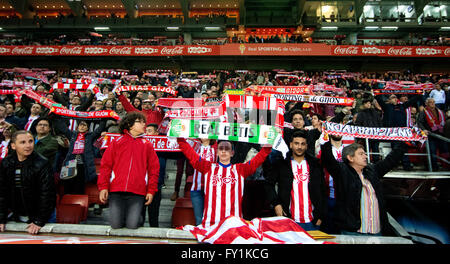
(162, 171)
(308, 226)
(198, 199)
(125, 210)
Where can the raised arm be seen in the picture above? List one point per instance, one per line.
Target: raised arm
(196, 161)
(86, 104)
(126, 104)
(247, 169)
(392, 159)
(328, 161)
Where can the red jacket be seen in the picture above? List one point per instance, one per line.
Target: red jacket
(152, 116)
(129, 165)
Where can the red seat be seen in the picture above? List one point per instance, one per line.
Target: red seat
(183, 213)
(69, 213)
(80, 199)
(92, 192)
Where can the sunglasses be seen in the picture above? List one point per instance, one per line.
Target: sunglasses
(224, 148)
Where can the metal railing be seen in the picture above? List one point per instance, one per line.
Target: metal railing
(428, 154)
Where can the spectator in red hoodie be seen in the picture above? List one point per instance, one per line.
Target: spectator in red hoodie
(129, 173)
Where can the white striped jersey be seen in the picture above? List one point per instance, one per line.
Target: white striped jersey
(224, 188)
(223, 184)
(207, 153)
(300, 206)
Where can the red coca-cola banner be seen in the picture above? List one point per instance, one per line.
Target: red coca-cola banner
(69, 50)
(244, 49)
(391, 51)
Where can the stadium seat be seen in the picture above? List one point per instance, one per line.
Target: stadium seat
(183, 213)
(80, 199)
(69, 213)
(92, 192)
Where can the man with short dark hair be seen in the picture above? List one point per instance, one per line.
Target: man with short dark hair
(27, 187)
(360, 208)
(301, 191)
(45, 143)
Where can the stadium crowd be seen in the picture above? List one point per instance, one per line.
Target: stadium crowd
(61, 139)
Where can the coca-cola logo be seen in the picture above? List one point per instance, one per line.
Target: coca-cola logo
(120, 51)
(94, 50)
(4, 50)
(199, 50)
(400, 51)
(145, 51)
(22, 50)
(46, 50)
(177, 50)
(447, 52)
(372, 50)
(350, 50)
(71, 51)
(427, 51)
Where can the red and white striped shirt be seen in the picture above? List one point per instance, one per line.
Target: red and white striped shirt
(224, 184)
(300, 207)
(207, 153)
(30, 121)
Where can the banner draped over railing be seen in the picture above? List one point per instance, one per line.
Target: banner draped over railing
(382, 133)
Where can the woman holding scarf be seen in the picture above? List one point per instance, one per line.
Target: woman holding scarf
(80, 149)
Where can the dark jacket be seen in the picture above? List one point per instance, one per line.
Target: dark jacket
(348, 186)
(88, 156)
(48, 147)
(369, 118)
(395, 115)
(281, 173)
(39, 192)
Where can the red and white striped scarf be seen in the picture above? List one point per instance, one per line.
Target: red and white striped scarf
(78, 148)
(409, 122)
(31, 119)
(435, 122)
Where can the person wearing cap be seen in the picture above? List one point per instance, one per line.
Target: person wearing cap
(152, 114)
